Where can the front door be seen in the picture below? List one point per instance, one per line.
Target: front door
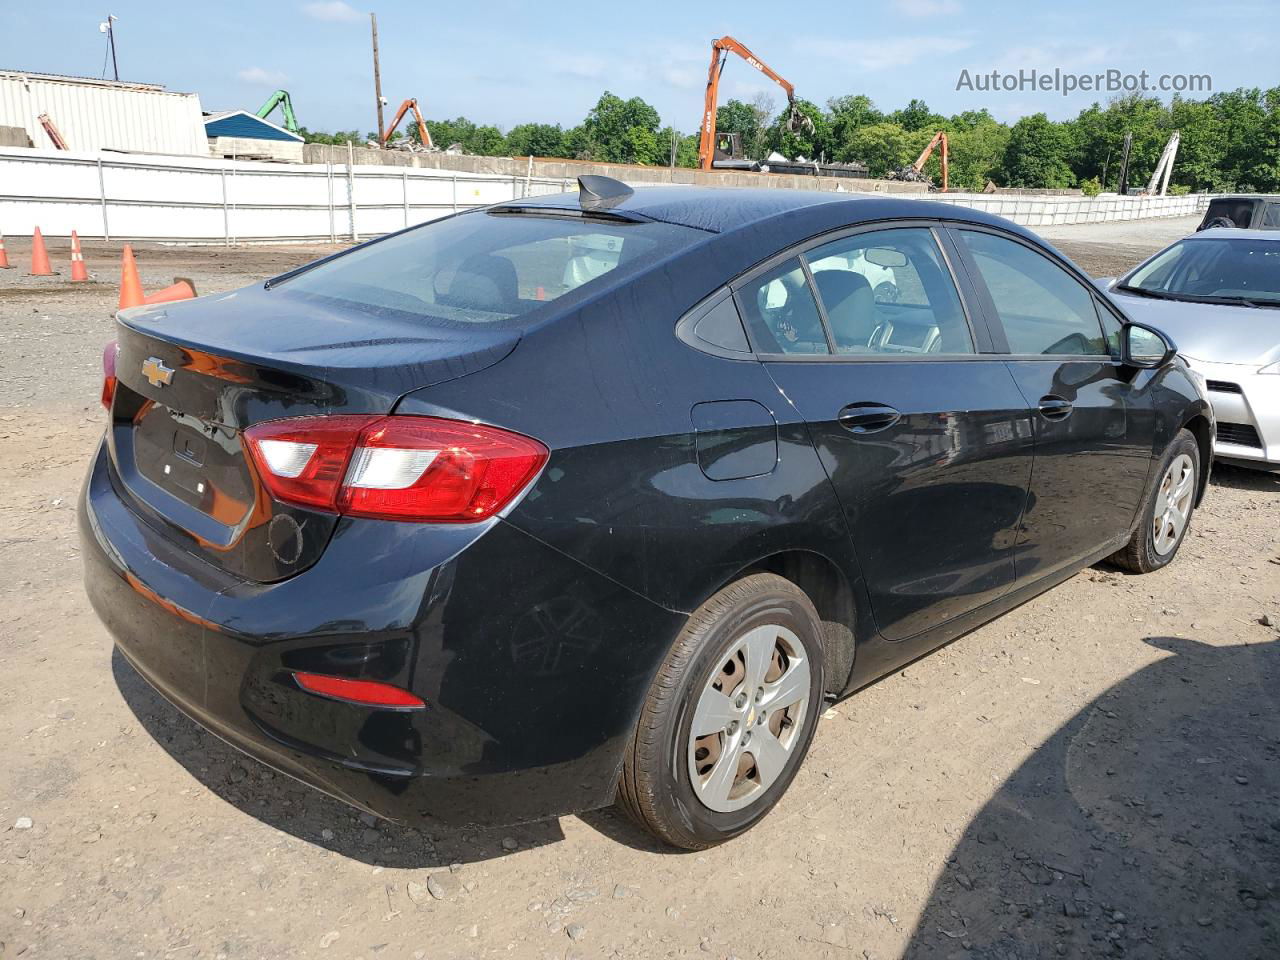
(926, 441)
(1094, 427)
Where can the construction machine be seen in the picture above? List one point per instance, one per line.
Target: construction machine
(709, 156)
(1159, 182)
(282, 100)
(423, 133)
(916, 173)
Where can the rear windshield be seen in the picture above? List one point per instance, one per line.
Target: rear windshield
(491, 268)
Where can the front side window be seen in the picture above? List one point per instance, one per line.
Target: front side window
(780, 311)
(1043, 309)
(889, 292)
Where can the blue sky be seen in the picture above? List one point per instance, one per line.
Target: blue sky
(506, 63)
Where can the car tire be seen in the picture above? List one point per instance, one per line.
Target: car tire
(747, 672)
(1166, 512)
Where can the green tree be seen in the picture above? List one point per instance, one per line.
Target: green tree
(445, 133)
(847, 115)
(536, 139)
(1037, 154)
(812, 145)
(883, 147)
(621, 131)
(485, 141)
(749, 120)
(916, 115)
(975, 155)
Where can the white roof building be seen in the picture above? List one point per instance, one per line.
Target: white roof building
(102, 114)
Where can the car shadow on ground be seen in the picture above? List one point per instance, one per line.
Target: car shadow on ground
(1242, 478)
(1146, 827)
(287, 805)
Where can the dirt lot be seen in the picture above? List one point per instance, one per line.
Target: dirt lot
(1095, 774)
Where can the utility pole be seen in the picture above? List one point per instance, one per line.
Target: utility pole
(1123, 187)
(377, 77)
(108, 27)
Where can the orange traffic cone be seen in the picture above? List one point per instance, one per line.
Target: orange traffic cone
(39, 257)
(130, 283)
(4, 257)
(79, 273)
(180, 289)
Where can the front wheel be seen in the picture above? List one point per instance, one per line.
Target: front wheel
(1166, 514)
(729, 717)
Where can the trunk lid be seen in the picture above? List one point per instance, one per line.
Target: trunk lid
(192, 376)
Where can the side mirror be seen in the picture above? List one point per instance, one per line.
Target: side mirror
(1146, 347)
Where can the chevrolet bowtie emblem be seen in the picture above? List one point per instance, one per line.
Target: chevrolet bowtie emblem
(157, 374)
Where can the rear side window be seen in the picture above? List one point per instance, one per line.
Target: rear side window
(889, 291)
(1271, 216)
(491, 268)
(781, 313)
(1043, 309)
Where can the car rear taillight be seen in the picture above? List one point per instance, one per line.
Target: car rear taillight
(368, 693)
(394, 468)
(109, 373)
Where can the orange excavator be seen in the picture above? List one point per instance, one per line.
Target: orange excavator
(915, 171)
(720, 50)
(423, 133)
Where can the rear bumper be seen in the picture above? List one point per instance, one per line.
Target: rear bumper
(533, 667)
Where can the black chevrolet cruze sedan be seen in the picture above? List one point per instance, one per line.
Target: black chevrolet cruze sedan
(598, 496)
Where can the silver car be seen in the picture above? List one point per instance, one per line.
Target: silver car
(1217, 294)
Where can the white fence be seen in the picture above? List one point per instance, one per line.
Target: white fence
(189, 198)
(1050, 211)
(110, 195)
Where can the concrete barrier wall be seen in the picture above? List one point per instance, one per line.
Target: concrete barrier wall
(104, 194)
(572, 169)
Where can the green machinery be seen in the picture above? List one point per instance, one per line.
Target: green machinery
(281, 99)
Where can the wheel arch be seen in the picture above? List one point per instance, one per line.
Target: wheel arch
(1198, 425)
(833, 597)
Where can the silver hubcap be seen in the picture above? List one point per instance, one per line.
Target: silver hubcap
(1173, 504)
(748, 718)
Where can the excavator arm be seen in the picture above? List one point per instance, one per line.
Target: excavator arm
(281, 99)
(939, 140)
(424, 134)
(720, 50)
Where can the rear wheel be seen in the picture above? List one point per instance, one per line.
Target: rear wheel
(1166, 515)
(729, 717)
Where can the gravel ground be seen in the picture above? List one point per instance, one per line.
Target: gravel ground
(1095, 774)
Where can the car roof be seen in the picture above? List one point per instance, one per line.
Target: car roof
(1246, 196)
(1235, 233)
(723, 209)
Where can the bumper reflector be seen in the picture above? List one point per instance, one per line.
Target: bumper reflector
(366, 693)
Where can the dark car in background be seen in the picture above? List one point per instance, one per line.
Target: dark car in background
(599, 496)
(1248, 211)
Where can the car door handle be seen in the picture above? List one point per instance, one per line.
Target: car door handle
(1054, 408)
(867, 417)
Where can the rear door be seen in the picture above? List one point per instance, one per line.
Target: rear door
(924, 436)
(1094, 425)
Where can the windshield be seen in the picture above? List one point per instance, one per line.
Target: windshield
(1219, 269)
(490, 268)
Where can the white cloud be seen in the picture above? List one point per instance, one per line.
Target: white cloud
(269, 78)
(927, 8)
(334, 10)
(871, 55)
